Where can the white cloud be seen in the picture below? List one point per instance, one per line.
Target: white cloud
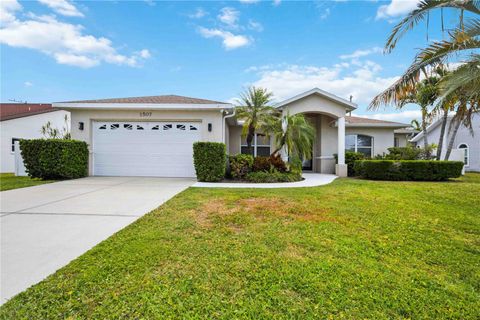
(396, 8)
(277, 2)
(63, 7)
(66, 43)
(199, 13)
(405, 116)
(249, 1)
(363, 82)
(325, 14)
(145, 54)
(254, 25)
(7, 10)
(27, 84)
(229, 16)
(230, 41)
(361, 53)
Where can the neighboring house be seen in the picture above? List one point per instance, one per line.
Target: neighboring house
(470, 144)
(24, 121)
(153, 136)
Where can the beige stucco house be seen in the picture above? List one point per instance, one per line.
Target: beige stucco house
(153, 136)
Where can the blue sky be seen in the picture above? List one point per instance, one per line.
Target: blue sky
(70, 50)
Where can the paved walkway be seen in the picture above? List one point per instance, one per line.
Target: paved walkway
(311, 180)
(44, 227)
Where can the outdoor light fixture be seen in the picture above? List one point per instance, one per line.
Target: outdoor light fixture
(80, 126)
(209, 127)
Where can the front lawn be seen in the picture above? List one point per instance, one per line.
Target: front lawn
(9, 181)
(353, 249)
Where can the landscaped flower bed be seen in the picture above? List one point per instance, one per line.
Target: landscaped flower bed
(244, 167)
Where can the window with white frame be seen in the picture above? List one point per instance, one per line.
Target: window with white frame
(359, 143)
(466, 154)
(260, 145)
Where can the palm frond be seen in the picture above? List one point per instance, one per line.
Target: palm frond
(419, 14)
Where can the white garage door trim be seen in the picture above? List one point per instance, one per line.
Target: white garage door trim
(136, 148)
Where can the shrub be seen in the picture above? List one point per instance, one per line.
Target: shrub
(269, 163)
(404, 153)
(261, 164)
(275, 176)
(240, 165)
(55, 158)
(277, 162)
(210, 160)
(406, 170)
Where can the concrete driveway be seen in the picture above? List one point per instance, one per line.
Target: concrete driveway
(45, 227)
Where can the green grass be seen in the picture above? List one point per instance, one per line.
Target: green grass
(353, 249)
(9, 181)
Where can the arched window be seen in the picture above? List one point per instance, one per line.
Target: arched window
(466, 154)
(359, 143)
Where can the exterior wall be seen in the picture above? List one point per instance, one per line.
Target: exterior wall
(382, 137)
(473, 143)
(24, 128)
(314, 103)
(88, 116)
(402, 139)
(324, 160)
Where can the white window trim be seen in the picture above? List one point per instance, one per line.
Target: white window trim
(255, 145)
(468, 154)
(356, 142)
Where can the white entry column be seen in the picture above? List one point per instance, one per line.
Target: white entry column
(341, 167)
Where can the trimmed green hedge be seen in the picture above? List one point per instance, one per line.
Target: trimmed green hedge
(52, 159)
(408, 170)
(210, 160)
(350, 158)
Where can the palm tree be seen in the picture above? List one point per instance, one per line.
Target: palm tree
(295, 133)
(463, 39)
(255, 112)
(415, 125)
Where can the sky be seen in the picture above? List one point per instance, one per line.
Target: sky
(60, 50)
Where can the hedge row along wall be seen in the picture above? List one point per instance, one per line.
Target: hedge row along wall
(55, 158)
(408, 170)
(210, 160)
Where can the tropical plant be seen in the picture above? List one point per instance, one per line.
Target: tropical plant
(415, 125)
(295, 133)
(255, 111)
(460, 88)
(54, 133)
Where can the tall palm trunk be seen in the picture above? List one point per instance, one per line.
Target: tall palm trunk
(424, 130)
(250, 136)
(452, 138)
(442, 133)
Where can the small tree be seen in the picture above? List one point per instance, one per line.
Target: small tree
(295, 133)
(54, 133)
(255, 111)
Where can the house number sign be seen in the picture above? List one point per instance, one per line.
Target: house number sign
(145, 114)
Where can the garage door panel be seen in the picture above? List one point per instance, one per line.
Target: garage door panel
(162, 149)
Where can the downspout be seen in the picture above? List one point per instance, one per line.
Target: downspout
(224, 123)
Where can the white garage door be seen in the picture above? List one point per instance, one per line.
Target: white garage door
(153, 149)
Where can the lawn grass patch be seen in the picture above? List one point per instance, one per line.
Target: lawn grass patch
(352, 249)
(9, 181)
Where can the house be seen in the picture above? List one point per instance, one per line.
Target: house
(467, 141)
(24, 121)
(153, 136)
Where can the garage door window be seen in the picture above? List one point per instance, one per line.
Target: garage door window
(128, 126)
(114, 126)
(167, 126)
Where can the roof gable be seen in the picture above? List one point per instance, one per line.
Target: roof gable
(316, 91)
